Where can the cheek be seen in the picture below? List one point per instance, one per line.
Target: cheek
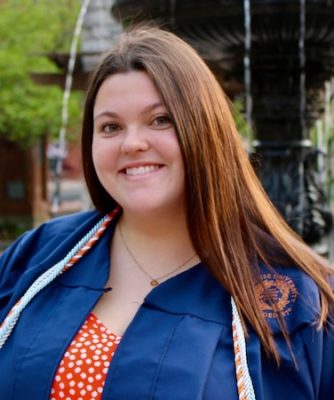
(101, 154)
(95, 154)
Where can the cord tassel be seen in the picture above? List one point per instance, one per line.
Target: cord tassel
(244, 381)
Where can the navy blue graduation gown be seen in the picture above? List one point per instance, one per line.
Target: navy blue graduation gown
(178, 346)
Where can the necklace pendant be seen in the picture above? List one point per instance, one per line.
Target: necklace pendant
(154, 282)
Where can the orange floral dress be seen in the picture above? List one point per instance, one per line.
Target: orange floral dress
(83, 370)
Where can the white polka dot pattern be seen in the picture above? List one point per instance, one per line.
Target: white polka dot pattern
(82, 372)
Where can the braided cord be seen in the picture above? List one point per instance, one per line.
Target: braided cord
(76, 253)
(244, 381)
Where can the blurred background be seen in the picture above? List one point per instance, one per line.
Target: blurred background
(274, 59)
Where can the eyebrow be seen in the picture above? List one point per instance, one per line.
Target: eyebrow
(112, 114)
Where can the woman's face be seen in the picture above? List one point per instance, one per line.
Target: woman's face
(136, 152)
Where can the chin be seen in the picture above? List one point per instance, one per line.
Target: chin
(148, 209)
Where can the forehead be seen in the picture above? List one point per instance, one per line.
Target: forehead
(133, 85)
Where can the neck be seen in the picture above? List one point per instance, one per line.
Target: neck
(156, 226)
(159, 245)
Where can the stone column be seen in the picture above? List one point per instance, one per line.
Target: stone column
(99, 29)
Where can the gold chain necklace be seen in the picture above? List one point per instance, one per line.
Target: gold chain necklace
(153, 281)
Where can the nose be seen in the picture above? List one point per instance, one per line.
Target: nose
(134, 140)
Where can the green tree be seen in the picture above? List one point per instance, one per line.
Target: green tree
(29, 31)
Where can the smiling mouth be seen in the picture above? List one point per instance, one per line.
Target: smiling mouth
(142, 170)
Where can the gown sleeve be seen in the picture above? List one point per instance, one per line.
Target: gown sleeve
(12, 262)
(35, 251)
(306, 368)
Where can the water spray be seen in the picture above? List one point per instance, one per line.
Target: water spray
(56, 197)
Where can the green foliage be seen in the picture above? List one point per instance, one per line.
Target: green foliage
(10, 230)
(29, 30)
(237, 108)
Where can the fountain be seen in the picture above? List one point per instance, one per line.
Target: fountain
(56, 197)
(282, 52)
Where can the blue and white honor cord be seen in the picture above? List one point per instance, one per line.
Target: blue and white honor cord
(77, 252)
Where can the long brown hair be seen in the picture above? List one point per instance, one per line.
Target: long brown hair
(232, 223)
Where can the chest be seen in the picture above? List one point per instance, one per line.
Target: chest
(158, 348)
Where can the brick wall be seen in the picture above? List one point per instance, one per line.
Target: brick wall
(23, 190)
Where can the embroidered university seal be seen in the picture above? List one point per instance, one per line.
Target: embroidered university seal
(277, 293)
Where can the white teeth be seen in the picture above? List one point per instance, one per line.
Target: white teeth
(141, 170)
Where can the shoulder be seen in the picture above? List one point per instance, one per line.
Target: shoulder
(35, 251)
(44, 241)
(296, 296)
(290, 292)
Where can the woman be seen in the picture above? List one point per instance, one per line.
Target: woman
(189, 259)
